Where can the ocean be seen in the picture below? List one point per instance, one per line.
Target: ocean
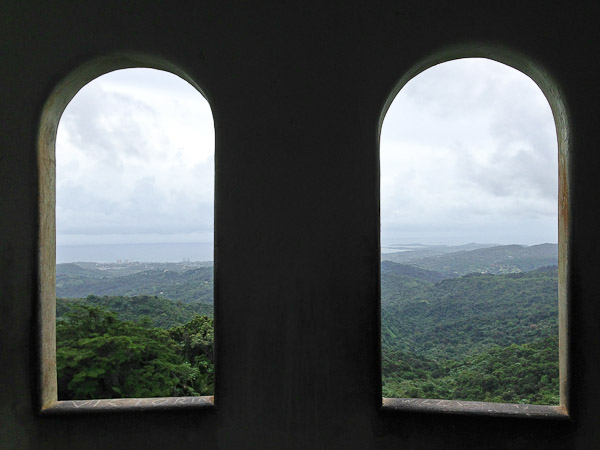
(135, 252)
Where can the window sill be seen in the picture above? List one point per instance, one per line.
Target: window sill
(474, 408)
(128, 404)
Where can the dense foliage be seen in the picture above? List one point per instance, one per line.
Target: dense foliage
(525, 373)
(459, 315)
(484, 336)
(100, 356)
(479, 337)
(161, 312)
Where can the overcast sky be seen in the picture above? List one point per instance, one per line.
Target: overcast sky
(468, 154)
(135, 162)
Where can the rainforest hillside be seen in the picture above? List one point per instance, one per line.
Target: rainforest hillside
(475, 322)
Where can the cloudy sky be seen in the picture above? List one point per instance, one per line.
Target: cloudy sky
(135, 162)
(468, 154)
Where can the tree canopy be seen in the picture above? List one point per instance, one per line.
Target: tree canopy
(100, 356)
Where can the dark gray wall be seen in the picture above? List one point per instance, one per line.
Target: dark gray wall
(298, 92)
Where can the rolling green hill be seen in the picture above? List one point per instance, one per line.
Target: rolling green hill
(463, 338)
(497, 260)
(472, 325)
(163, 313)
(459, 315)
(392, 268)
(190, 286)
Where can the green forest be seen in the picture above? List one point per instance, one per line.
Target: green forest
(490, 334)
(480, 337)
(100, 356)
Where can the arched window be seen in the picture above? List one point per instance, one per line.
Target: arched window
(469, 272)
(134, 241)
(134, 211)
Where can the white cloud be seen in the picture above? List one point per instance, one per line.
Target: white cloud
(135, 161)
(468, 152)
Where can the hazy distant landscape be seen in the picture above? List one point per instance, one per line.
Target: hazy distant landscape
(470, 322)
(158, 252)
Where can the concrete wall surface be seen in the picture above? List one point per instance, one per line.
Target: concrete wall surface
(298, 90)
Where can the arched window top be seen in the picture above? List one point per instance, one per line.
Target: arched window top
(135, 163)
(470, 142)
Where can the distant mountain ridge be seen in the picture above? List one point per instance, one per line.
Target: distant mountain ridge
(189, 283)
(390, 267)
(410, 252)
(189, 286)
(495, 260)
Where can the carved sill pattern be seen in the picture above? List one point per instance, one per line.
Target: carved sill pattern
(474, 408)
(128, 404)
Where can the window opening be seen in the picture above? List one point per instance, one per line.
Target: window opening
(134, 239)
(469, 276)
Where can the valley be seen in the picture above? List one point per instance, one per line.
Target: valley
(477, 323)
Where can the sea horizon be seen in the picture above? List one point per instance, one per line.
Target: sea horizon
(155, 252)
